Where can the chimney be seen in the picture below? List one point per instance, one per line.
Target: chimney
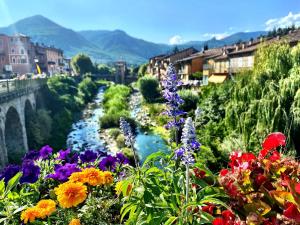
(243, 45)
(277, 37)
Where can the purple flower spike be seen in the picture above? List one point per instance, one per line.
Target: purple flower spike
(170, 88)
(45, 152)
(31, 172)
(88, 156)
(127, 132)
(190, 144)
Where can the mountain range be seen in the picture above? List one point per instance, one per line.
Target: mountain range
(104, 45)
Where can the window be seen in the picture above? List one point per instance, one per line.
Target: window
(13, 60)
(13, 51)
(23, 60)
(22, 51)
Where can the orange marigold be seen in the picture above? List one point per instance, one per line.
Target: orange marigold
(78, 177)
(70, 194)
(108, 178)
(46, 208)
(30, 214)
(93, 176)
(74, 222)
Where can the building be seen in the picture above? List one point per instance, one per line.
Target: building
(54, 60)
(158, 64)
(5, 66)
(18, 55)
(194, 63)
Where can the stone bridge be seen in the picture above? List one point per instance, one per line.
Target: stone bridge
(18, 98)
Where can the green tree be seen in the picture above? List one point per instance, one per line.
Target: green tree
(149, 88)
(82, 64)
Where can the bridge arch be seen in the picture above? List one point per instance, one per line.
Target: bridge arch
(3, 153)
(29, 114)
(14, 137)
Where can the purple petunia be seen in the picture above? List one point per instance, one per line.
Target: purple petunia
(32, 155)
(9, 172)
(111, 162)
(62, 172)
(30, 172)
(45, 152)
(88, 156)
(63, 154)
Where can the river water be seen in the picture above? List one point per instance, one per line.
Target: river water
(85, 132)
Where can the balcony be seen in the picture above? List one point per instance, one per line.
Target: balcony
(207, 67)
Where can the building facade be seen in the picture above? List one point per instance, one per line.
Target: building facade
(18, 55)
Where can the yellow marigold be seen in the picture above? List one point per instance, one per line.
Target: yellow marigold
(93, 176)
(108, 178)
(70, 194)
(30, 214)
(74, 222)
(119, 188)
(78, 177)
(46, 208)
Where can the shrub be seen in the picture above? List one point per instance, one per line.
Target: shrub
(114, 132)
(120, 141)
(149, 88)
(190, 98)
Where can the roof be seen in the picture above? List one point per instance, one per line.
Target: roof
(158, 56)
(183, 50)
(203, 54)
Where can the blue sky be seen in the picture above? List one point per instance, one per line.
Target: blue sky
(164, 21)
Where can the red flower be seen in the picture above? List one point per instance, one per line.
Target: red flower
(218, 221)
(273, 141)
(260, 179)
(275, 156)
(247, 157)
(223, 172)
(297, 188)
(291, 211)
(199, 173)
(209, 208)
(228, 215)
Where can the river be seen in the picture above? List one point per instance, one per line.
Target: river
(85, 132)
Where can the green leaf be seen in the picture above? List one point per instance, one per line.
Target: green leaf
(152, 157)
(171, 220)
(2, 187)
(12, 183)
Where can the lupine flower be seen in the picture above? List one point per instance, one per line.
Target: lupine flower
(63, 172)
(170, 85)
(127, 132)
(88, 156)
(9, 172)
(190, 144)
(45, 152)
(30, 172)
(63, 154)
(129, 137)
(32, 155)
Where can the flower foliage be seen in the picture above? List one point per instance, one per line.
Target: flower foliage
(266, 189)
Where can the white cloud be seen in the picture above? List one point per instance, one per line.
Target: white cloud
(176, 40)
(285, 21)
(218, 36)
